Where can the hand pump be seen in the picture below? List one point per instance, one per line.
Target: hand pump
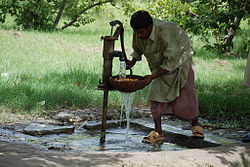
(108, 54)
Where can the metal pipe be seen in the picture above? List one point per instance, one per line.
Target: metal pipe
(104, 116)
(108, 55)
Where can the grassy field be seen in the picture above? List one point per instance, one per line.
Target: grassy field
(44, 71)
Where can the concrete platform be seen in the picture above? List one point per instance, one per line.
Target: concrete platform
(233, 155)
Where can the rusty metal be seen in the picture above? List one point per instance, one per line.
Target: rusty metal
(108, 45)
(104, 116)
(108, 54)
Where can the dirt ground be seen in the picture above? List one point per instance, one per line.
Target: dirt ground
(233, 155)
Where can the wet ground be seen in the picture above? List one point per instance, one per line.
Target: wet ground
(72, 138)
(49, 135)
(86, 140)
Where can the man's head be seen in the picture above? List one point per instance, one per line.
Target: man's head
(142, 23)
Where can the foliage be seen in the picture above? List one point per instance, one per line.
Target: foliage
(221, 17)
(217, 18)
(30, 14)
(41, 14)
(169, 10)
(128, 7)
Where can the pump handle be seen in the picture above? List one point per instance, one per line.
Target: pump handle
(120, 31)
(113, 23)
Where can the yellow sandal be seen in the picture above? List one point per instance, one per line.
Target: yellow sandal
(197, 132)
(153, 137)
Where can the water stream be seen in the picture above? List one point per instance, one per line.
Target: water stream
(126, 103)
(122, 73)
(126, 98)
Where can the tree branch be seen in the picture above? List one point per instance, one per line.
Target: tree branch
(191, 12)
(84, 10)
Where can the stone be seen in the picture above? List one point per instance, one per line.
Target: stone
(43, 129)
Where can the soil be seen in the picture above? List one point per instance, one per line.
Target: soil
(236, 154)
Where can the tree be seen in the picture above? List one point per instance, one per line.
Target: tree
(219, 18)
(46, 14)
(222, 18)
(75, 12)
(59, 14)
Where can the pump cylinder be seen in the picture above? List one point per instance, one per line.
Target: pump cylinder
(109, 43)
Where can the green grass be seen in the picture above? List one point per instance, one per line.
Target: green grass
(219, 85)
(40, 71)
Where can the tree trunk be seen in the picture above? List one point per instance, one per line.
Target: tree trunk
(59, 14)
(231, 33)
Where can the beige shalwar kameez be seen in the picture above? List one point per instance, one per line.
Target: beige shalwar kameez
(168, 47)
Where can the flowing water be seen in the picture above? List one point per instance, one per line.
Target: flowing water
(126, 98)
(126, 103)
(122, 73)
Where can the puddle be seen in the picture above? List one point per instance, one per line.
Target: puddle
(87, 137)
(84, 140)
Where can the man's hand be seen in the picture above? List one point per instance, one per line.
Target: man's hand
(130, 64)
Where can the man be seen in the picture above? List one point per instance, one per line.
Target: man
(168, 51)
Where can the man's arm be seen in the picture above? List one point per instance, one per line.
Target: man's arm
(130, 64)
(149, 78)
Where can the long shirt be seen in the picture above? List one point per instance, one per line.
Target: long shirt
(168, 47)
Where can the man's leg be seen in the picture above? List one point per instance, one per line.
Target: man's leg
(157, 135)
(195, 122)
(157, 109)
(158, 127)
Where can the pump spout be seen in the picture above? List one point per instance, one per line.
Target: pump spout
(120, 54)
